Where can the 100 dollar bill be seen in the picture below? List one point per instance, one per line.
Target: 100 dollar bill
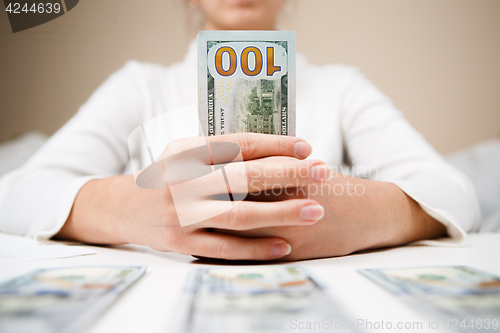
(64, 299)
(246, 82)
(254, 299)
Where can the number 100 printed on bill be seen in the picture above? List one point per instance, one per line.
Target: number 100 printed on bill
(246, 82)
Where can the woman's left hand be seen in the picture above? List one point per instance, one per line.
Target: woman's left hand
(359, 214)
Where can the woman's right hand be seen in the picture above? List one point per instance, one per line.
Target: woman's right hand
(116, 211)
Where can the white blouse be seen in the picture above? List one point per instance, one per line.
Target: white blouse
(340, 113)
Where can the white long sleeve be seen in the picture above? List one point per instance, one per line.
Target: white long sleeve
(378, 137)
(342, 115)
(36, 199)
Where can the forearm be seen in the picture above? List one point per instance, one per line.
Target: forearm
(375, 215)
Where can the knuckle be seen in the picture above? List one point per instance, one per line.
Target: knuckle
(223, 250)
(280, 147)
(285, 214)
(285, 147)
(238, 174)
(249, 172)
(291, 168)
(177, 243)
(255, 253)
(237, 217)
(247, 145)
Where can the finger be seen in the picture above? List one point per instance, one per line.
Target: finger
(272, 173)
(213, 245)
(252, 215)
(253, 145)
(275, 173)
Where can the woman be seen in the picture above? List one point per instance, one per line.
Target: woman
(78, 185)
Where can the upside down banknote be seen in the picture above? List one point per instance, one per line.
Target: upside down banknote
(64, 299)
(246, 82)
(253, 299)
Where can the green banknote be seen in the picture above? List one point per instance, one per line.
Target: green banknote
(460, 296)
(246, 82)
(256, 299)
(65, 299)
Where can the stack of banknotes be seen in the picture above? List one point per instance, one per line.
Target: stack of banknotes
(66, 299)
(254, 299)
(247, 299)
(276, 298)
(459, 297)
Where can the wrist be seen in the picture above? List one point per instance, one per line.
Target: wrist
(91, 219)
(413, 223)
(115, 201)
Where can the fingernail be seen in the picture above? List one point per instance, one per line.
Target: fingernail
(312, 212)
(321, 172)
(281, 249)
(302, 149)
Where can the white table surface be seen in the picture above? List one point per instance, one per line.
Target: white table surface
(148, 305)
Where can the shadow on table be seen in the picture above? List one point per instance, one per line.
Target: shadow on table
(212, 261)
